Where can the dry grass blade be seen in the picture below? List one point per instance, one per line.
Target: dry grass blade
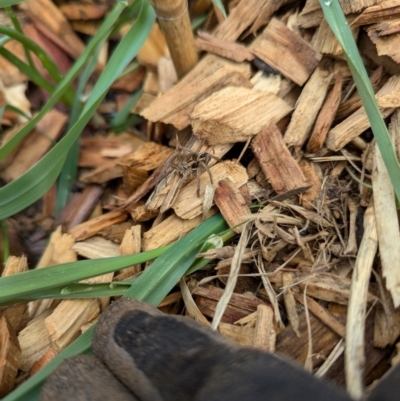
(387, 225)
(232, 279)
(356, 315)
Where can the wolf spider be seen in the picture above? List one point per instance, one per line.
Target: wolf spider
(180, 168)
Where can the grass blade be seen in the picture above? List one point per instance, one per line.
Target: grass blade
(7, 3)
(65, 84)
(174, 262)
(21, 193)
(220, 6)
(32, 283)
(337, 22)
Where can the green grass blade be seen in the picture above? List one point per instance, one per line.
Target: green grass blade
(7, 3)
(337, 22)
(168, 269)
(30, 72)
(79, 291)
(220, 6)
(65, 84)
(174, 262)
(70, 168)
(18, 28)
(14, 199)
(32, 283)
(118, 123)
(27, 43)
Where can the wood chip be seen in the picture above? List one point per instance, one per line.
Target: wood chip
(92, 227)
(10, 354)
(34, 341)
(231, 204)
(326, 116)
(358, 122)
(264, 332)
(64, 324)
(50, 20)
(36, 144)
(286, 52)
(187, 205)
(241, 113)
(130, 245)
(209, 75)
(277, 163)
(230, 50)
(307, 108)
(170, 230)
(96, 247)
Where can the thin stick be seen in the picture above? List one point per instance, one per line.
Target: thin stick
(174, 20)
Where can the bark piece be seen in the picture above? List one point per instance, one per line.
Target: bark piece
(231, 204)
(286, 52)
(307, 108)
(10, 353)
(358, 122)
(230, 50)
(208, 76)
(36, 144)
(234, 114)
(277, 163)
(187, 205)
(325, 117)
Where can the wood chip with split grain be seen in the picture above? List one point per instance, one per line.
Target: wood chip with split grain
(234, 114)
(286, 52)
(277, 163)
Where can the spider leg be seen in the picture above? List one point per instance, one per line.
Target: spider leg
(208, 171)
(198, 181)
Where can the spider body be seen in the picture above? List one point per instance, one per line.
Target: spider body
(180, 168)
